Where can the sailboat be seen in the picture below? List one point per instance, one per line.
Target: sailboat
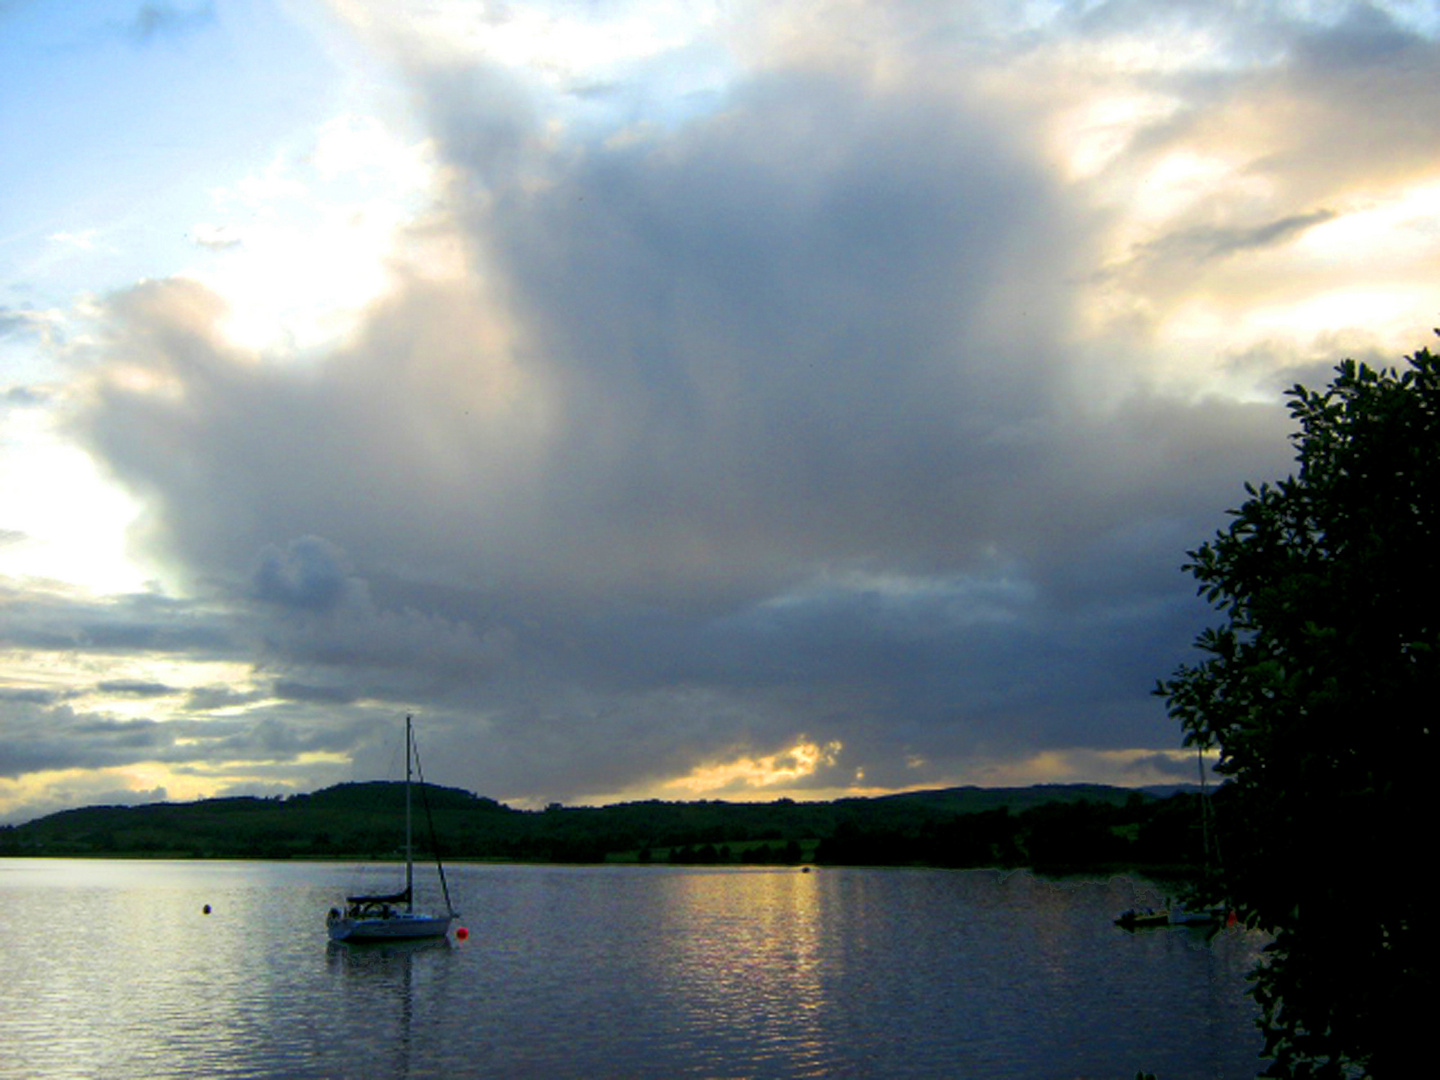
(393, 917)
(1176, 914)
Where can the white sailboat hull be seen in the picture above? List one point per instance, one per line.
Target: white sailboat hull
(401, 926)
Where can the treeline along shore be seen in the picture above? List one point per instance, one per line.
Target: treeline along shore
(1061, 828)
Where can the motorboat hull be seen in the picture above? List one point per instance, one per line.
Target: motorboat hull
(1136, 918)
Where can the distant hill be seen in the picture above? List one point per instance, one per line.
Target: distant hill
(1063, 825)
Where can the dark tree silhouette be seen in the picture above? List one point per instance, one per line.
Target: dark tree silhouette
(1320, 689)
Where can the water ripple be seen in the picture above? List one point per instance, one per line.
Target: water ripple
(609, 972)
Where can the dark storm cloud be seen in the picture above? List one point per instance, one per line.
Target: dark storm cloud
(310, 574)
(295, 691)
(269, 738)
(134, 688)
(49, 736)
(789, 334)
(719, 395)
(130, 624)
(30, 696)
(42, 739)
(767, 425)
(206, 699)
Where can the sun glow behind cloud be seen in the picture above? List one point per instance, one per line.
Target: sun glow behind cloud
(1360, 267)
(308, 241)
(764, 772)
(70, 519)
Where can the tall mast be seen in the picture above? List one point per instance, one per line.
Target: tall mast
(409, 853)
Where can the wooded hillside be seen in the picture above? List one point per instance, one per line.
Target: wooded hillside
(1057, 827)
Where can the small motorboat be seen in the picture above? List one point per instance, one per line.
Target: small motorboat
(1137, 917)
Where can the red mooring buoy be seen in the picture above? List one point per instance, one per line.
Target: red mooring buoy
(461, 934)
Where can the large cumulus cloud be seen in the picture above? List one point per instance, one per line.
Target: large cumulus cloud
(787, 418)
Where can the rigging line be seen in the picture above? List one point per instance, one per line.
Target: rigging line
(1210, 828)
(430, 824)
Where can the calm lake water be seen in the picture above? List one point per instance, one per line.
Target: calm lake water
(110, 969)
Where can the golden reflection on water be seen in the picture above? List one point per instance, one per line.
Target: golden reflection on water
(113, 970)
(746, 949)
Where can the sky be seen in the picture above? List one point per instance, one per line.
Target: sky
(702, 400)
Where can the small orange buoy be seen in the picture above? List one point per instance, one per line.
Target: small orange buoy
(461, 934)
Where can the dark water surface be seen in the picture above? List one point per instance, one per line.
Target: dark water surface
(110, 969)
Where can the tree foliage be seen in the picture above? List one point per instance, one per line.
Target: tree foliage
(1319, 689)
